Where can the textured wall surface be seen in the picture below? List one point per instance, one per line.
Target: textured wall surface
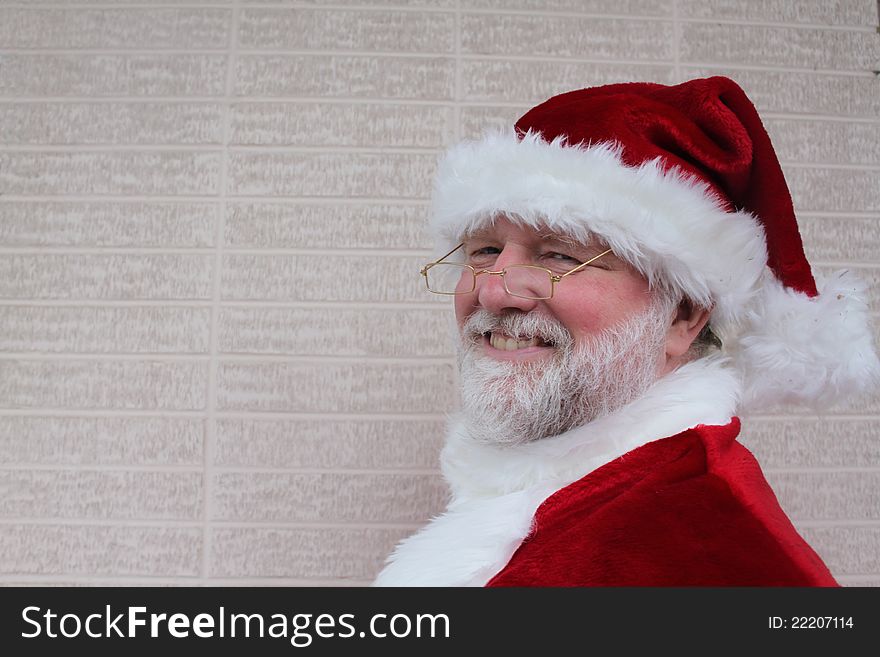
(216, 361)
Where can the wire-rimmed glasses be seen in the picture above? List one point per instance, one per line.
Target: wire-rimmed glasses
(523, 281)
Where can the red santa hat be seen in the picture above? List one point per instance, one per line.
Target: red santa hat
(683, 182)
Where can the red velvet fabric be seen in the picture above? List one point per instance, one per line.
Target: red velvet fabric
(708, 129)
(690, 510)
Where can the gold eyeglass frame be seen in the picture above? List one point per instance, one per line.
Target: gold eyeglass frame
(554, 278)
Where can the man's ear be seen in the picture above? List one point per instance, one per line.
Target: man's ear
(689, 320)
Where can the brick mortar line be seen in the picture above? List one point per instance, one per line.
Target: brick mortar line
(450, 57)
(670, 18)
(676, 40)
(810, 418)
(109, 4)
(492, 12)
(224, 52)
(842, 522)
(123, 580)
(163, 523)
(116, 147)
(193, 199)
(829, 166)
(210, 425)
(113, 52)
(208, 250)
(436, 57)
(738, 67)
(819, 214)
(285, 149)
(220, 5)
(433, 473)
(202, 198)
(223, 414)
(853, 29)
(218, 100)
(833, 524)
(819, 118)
(89, 468)
(343, 101)
(219, 149)
(222, 357)
(820, 470)
(8, 355)
(458, 83)
(78, 523)
(229, 303)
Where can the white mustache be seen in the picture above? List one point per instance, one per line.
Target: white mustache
(509, 403)
(519, 326)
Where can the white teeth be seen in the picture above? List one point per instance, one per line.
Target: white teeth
(509, 344)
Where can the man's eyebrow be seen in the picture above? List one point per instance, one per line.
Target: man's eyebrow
(556, 237)
(481, 234)
(592, 244)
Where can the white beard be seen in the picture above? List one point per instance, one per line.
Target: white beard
(514, 403)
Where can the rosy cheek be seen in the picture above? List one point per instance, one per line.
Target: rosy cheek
(588, 326)
(581, 317)
(590, 311)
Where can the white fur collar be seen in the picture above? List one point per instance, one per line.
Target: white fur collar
(496, 490)
(700, 392)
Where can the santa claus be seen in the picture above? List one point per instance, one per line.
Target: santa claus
(627, 275)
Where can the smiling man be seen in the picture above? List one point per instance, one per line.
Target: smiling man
(628, 276)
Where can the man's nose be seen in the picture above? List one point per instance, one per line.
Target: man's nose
(491, 292)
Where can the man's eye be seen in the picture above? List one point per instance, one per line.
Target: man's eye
(561, 257)
(485, 250)
(482, 256)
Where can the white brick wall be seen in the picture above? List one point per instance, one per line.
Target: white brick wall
(216, 361)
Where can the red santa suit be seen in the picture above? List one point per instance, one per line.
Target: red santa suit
(615, 503)
(682, 182)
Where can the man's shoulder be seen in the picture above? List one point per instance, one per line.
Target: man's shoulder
(684, 459)
(691, 509)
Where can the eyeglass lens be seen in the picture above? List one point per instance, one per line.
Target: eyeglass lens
(447, 278)
(528, 282)
(519, 280)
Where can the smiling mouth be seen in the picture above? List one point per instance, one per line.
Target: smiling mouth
(504, 342)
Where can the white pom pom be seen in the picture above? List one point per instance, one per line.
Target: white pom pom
(817, 351)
